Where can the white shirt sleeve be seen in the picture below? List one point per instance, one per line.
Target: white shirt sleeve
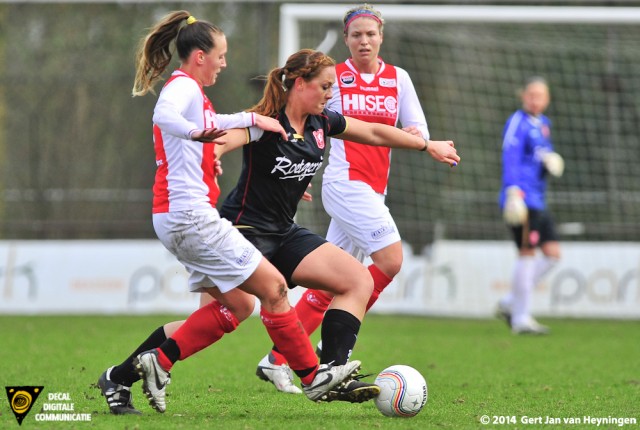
(335, 104)
(255, 133)
(178, 111)
(234, 120)
(409, 110)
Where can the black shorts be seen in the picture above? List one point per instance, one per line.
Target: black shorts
(538, 229)
(285, 251)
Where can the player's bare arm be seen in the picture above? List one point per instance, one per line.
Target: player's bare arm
(393, 137)
(233, 139)
(439, 150)
(307, 197)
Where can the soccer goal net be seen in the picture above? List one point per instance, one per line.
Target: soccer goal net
(467, 64)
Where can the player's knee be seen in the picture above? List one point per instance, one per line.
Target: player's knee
(390, 267)
(362, 285)
(388, 260)
(273, 297)
(242, 309)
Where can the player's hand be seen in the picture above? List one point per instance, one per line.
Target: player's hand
(443, 151)
(554, 163)
(209, 135)
(270, 124)
(412, 130)
(307, 197)
(217, 168)
(515, 211)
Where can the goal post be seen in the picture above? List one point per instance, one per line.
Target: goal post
(292, 13)
(467, 64)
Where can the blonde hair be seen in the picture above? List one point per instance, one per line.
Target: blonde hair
(306, 64)
(155, 49)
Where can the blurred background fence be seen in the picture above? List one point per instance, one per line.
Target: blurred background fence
(77, 160)
(76, 152)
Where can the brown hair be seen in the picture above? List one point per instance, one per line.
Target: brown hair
(305, 64)
(154, 50)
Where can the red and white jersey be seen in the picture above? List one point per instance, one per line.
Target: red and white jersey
(185, 177)
(388, 97)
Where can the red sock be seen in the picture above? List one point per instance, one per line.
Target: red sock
(203, 328)
(311, 308)
(279, 359)
(380, 281)
(288, 335)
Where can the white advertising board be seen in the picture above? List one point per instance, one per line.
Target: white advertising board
(467, 278)
(452, 278)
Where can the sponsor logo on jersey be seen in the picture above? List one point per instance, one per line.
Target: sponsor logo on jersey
(209, 119)
(391, 103)
(373, 89)
(319, 137)
(369, 103)
(389, 83)
(348, 79)
(290, 170)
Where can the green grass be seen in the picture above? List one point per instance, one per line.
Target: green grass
(472, 367)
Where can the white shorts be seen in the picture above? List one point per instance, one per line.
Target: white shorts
(213, 251)
(361, 223)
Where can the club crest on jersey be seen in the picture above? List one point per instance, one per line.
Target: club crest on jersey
(546, 132)
(348, 79)
(319, 137)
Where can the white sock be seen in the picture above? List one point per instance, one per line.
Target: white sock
(522, 289)
(542, 266)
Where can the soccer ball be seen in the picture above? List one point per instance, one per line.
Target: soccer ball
(403, 391)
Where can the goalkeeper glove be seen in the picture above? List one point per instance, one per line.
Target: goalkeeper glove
(515, 210)
(554, 163)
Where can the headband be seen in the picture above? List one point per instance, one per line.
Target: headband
(358, 14)
(191, 20)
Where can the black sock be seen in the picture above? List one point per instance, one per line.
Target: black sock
(171, 350)
(339, 334)
(124, 373)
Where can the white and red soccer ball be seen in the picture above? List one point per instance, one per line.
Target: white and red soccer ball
(403, 391)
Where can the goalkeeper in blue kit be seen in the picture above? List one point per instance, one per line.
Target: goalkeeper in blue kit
(528, 158)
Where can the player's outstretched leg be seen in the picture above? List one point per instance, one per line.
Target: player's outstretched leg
(154, 378)
(279, 375)
(330, 377)
(118, 396)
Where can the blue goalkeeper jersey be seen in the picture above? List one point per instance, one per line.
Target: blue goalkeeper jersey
(525, 139)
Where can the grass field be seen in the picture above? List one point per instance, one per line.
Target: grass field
(473, 368)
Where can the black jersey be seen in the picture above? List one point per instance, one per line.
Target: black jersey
(275, 173)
